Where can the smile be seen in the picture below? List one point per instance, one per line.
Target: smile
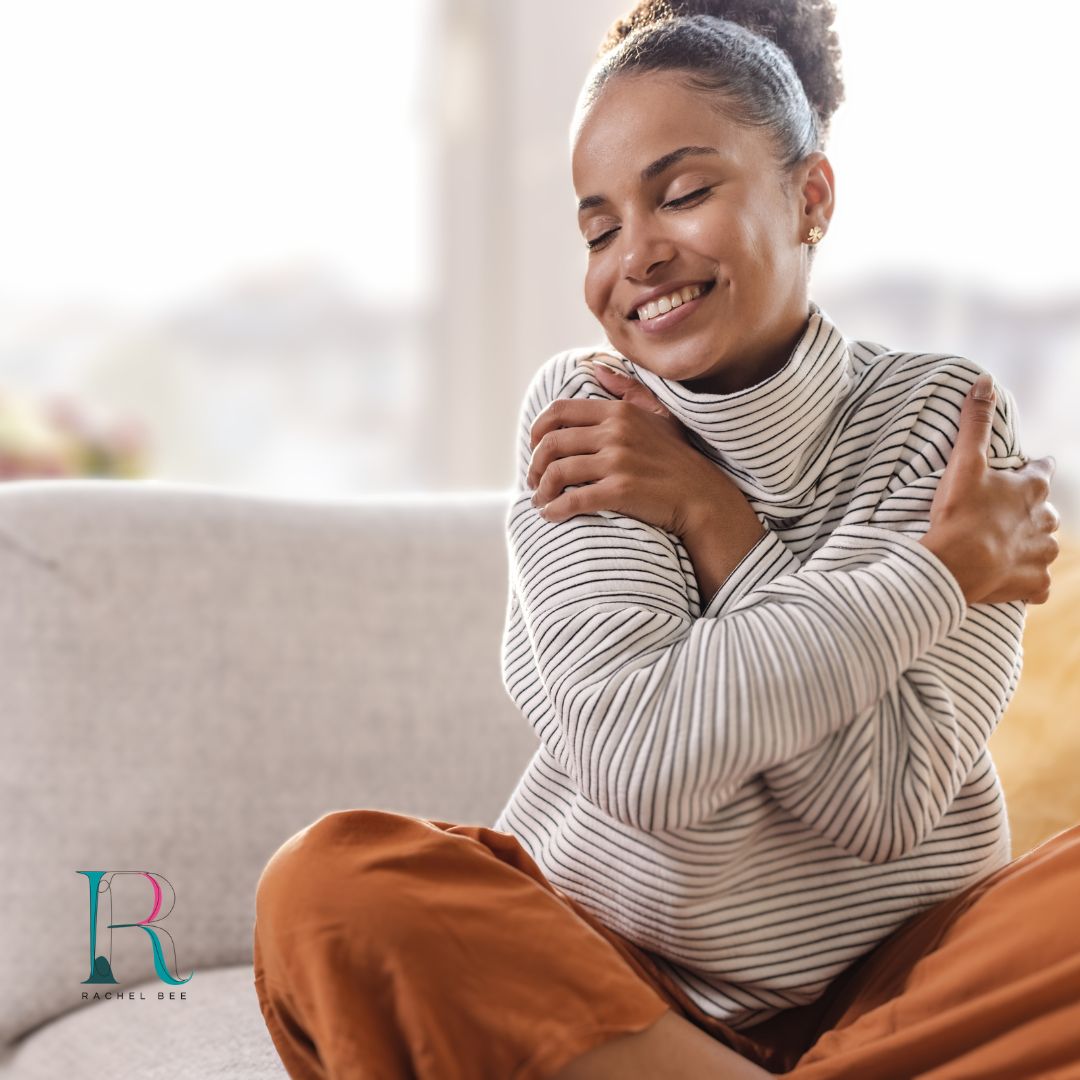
(661, 315)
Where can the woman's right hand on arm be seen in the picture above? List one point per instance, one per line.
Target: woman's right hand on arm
(993, 527)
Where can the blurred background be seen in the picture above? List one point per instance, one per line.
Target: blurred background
(318, 249)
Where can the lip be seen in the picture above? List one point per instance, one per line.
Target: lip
(669, 319)
(664, 290)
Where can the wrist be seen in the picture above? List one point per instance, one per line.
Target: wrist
(938, 542)
(717, 538)
(701, 519)
(739, 522)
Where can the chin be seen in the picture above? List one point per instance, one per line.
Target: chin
(683, 360)
(618, 337)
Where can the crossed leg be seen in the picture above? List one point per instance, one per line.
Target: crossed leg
(392, 946)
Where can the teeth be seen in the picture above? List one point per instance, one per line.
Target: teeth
(666, 303)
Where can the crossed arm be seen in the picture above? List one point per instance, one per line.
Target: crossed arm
(859, 685)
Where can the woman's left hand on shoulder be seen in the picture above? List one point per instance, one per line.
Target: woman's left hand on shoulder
(632, 456)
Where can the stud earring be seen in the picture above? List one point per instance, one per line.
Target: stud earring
(816, 234)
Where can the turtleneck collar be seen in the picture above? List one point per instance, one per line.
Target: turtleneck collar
(773, 438)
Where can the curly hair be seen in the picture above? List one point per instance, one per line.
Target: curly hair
(773, 64)
(801, 29)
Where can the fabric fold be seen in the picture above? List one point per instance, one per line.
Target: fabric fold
(773, 438)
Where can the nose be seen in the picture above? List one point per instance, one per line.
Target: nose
(645, 247)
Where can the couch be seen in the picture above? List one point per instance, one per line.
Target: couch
(190, 675)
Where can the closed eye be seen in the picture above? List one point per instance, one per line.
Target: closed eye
(689, 198)
(592, 245)
(684, 200)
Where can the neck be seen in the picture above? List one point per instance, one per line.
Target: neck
(772, 436)
(765, 362)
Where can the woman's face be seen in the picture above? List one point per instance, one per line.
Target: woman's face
(719, 220)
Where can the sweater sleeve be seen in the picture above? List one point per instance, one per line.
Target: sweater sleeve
(768, 558)
(658, 717)
(878, 786)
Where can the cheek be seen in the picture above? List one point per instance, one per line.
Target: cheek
(732, 233)
(597, 293)
(716, 241)
(762, 232)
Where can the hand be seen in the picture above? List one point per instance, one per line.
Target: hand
(633, 455)
(992, 527)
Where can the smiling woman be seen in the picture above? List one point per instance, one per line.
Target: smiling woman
(766, 601)
(732, 634)
(738, 175)
(732, 230)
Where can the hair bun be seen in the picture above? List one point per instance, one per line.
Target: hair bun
(802, 28)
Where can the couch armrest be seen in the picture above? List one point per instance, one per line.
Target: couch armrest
(190, 675)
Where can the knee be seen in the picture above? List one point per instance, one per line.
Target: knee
(351, 881)
(326, 863)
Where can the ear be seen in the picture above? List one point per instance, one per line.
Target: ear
(817, 192)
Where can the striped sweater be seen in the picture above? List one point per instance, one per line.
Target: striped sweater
(760, 790)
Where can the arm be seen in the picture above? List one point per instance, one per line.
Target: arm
(660, 718)
(878, 786)
(743, 566)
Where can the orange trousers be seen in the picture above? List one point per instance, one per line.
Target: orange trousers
(390, 947)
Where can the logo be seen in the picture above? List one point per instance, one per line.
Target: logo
(101, 970)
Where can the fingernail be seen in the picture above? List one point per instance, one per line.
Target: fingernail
(983, 389)
(614, 370)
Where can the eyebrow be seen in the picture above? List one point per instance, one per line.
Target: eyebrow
(653, 170)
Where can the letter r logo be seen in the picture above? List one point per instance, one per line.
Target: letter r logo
(101, 964)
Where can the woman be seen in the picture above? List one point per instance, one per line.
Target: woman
(767, 595)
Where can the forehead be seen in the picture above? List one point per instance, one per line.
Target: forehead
(637, 118)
